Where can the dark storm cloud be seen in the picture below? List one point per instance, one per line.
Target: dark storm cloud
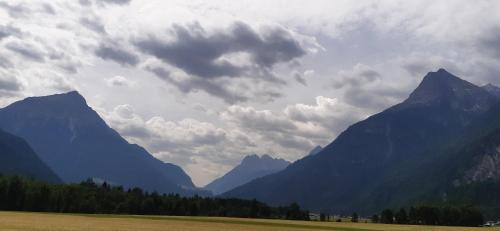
(116, 54)
(198, 53)
(27, 51)
(216, 89)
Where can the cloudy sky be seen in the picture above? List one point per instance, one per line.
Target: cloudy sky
(203, 83)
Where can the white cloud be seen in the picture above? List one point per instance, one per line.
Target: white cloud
(119, 81)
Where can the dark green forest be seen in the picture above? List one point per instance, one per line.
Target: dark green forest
(432, 215)
(23, 194)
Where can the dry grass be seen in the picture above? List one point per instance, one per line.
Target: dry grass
(45, 222)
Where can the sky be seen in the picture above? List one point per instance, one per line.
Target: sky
(204, 83)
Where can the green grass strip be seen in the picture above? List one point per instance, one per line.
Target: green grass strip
(231, 221)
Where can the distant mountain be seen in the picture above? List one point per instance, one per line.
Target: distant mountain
(17, 158)
(315, 150)
(250, 168)
(77, 144)
(492, 89)
(385, 160)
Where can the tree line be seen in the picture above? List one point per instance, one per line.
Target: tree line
(22, 194)
(432, 215)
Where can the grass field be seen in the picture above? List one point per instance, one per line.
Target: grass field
(73, 222)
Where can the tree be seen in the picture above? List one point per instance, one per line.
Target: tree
(387, 217)
(412, 216)
(401, 217)
(355, 217)
(375, 219)
(21, 194)
(322, 217)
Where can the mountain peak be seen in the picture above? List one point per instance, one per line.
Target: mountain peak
(250, 168)
(444, 88)
(315, 150)
(492, 89)
(61, 104)
(249, 158)
(73, 96)
(442, 76)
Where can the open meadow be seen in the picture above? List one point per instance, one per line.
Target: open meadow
(73, 222)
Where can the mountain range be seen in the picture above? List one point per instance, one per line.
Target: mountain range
(77, 144)
(250, 168)
(441, 145)
(431, 148)
(17, 158)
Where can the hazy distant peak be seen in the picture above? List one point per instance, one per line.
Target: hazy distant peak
(250, 168)
(265, 158)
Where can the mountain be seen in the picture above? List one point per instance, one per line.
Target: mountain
(315, 150)
(381, 162)
(492, 89)
(77, 144)
(17, 158)
(250, 168)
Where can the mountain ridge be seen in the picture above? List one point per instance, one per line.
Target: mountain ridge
(18, 158)
(352, 173)
(250, 168)
(77, 144)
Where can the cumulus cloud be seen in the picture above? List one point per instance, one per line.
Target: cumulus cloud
(300, 77)
(289, 133)
(117, 54)
(297, 126)
(234, 64)
(93, 24)
(9, 85)
(117, 2)
(419, 64)
(489, 42)
(360, 75)
(187, 84)
(200, 53)
(6, 31)
(249, 117)
(15, 10)
(186, 142)
(26, 50)
(364, 87)
(119, 81)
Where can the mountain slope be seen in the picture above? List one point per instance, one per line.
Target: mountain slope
(315, 150)
(492, 89)
(251, 167)
(355, 171)
(77, 144)
(17, 158)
